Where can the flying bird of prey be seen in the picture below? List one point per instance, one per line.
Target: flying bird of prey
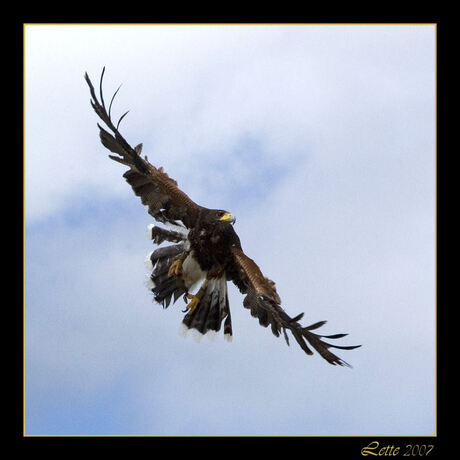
(206, 252)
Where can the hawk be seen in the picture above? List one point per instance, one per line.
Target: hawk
(206, 252)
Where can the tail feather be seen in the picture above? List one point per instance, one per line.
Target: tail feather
(212, 309)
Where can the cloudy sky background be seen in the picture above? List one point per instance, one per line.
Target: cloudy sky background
(320, 139)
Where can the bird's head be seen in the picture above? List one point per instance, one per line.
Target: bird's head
(220, 216)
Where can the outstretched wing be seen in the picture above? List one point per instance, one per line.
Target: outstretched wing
(165, 201)
(264, 303)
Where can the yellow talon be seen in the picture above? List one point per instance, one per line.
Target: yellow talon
(190, 307)
(175, 268)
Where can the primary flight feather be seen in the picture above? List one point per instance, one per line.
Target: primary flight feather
(206, 251)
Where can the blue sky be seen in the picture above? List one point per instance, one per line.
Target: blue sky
(321, 140)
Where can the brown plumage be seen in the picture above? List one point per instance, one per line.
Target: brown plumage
(206, 250)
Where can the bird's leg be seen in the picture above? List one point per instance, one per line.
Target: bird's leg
(195, 298)
(175, 268)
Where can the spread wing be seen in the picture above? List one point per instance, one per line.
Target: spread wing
(264, 303)
(165, 201)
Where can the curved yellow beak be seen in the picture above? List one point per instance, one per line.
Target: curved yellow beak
(227, 217)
